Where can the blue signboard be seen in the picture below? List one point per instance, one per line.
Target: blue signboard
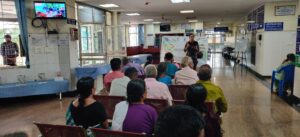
(298, 42)
(274, 26)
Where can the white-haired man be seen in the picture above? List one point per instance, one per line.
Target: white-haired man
(187, 75)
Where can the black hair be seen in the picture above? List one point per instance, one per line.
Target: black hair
(291, 57)
(179, 121)
(195, 97)
(149, 61)
(7, 36)
(135, 90)
(115, 64)
(161, 69)
(169, 56)
(84, 88)
(125, 60)
(205, 72)
(130, 72)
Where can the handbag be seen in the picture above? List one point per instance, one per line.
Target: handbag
(199, 55)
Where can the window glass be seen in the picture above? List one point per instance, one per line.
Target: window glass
(133, 36)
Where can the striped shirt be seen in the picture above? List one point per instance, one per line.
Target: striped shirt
(9, 49)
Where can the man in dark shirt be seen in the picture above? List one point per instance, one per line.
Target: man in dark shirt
(192, 49)
(9, 51)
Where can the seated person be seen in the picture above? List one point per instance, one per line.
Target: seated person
(128, 63)
(119, 85)
(171, 68)
(187, 75)
(290, 59)
(85, 110)
(149, 61)
(133, 115)
(115, 65)
(156, 89)
(162, 77)
(214, 93)
(195, 97)
(180, 121)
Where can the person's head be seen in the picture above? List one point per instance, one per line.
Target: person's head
(169, 57)
(85, 89)
(125, 61)
(187, 61)
(115, 64)
(132, 73)
(161, 69)
(291, 57)
(205, 72)
(180, 121)
(192, 37)
(150, 59)
(195, 96)
(150, 71)
(7, 38)
(136, 91)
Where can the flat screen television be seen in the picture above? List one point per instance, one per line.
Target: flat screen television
(50, 10)
(165, 27)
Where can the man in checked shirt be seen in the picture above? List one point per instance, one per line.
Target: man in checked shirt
(9, 51)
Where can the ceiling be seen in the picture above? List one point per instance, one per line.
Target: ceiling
(208, 11)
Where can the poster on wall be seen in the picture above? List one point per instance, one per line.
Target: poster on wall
(175, 45)
(285, 10)
(274, 26)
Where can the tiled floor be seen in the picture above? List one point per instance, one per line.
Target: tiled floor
(253, 111)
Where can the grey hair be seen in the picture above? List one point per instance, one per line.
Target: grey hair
(186, 61)
(150, 71)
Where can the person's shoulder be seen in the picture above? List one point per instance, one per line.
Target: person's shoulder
(162, 85)
(97, 104)
(149, 108)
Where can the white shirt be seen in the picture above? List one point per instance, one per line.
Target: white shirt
(119, 86)
(158, 90)
(186, 76)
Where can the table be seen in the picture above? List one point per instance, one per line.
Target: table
(33, 88)
(92, 71)
(139, 59)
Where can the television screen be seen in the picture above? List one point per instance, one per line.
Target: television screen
(221, 29)
(50, 10)
(165, 27)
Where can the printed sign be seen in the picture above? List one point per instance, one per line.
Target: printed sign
(274, 26)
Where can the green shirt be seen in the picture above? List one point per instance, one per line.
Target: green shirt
(215, 95)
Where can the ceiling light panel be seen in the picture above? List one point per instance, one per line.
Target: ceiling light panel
(133, 14)
(187, 11)
(109, 5)
(180, 1)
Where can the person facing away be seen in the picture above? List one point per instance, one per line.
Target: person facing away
(156, 89)
(214, 92)
(161, 74)
(85, 110)
(9, 51)
(128, 63)
(119, 85)
(133, 115)
(115, 65)
(290, 60)
(192, 49)
(149, 61)
(186, 76)
(195, 97)
(171, 68)
(180, 121)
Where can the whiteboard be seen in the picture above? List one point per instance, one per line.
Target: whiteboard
(175, 45)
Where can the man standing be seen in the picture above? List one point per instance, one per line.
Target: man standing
(9, 51)
(192, 49)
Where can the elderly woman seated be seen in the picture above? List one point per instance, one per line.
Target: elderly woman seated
(156, 89)
(187, 75)
(133, 115)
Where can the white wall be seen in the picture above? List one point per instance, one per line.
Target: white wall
(60, 58)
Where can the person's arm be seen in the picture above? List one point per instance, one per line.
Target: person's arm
(187, 45)
(102, 116)
(197, 46)
(221, 102)
(2, 50)
(168, 95)
(17, 49)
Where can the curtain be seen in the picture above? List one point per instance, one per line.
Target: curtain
(141, 34)
(22, 19)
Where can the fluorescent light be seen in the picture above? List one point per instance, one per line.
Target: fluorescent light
(251, 21)
(109, 5)
(148, 20)
(192, 21)
(180, 1)
(187, 11)
(219, 23)
(156, 22)
(133, 14)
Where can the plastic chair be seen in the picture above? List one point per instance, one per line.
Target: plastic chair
(48, 130)
(109, 103)
(288, 79)
(178, 91)
(158, 104)
(178, 102)
(98, 132)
